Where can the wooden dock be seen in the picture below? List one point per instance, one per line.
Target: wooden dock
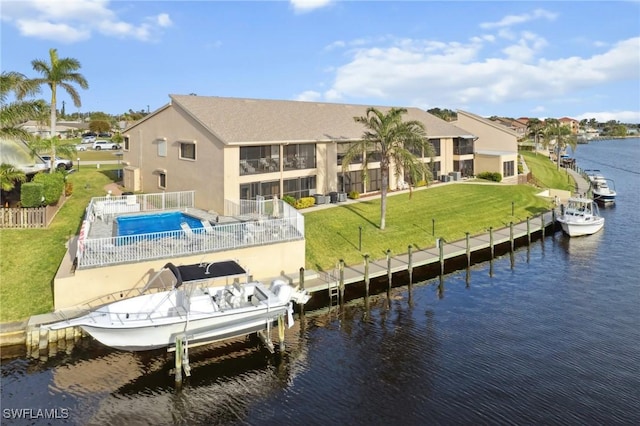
(465, 252)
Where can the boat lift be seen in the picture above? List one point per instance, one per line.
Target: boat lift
(181, 346)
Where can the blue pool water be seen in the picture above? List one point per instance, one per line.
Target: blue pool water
(152, 223)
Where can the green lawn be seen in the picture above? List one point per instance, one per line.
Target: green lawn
(30, 258)
(333, 234)
(546, 172)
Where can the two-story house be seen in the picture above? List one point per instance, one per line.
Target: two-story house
(233, 148)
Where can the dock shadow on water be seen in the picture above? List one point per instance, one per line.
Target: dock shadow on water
(94, 384)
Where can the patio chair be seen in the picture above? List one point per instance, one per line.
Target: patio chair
(191, 236)
(208, 229)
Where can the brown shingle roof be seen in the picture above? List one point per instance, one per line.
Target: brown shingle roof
(238, 120)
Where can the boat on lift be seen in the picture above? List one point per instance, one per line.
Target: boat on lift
(580, 217)
(195, 308)
(603, 189)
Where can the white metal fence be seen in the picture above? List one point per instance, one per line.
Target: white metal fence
(254, 223)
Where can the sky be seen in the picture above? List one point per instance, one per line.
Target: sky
(510, 59)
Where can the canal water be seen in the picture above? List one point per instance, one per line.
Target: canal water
(548, 335)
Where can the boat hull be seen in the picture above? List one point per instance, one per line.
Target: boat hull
(213, 328)
(579, 229)
(604, 198)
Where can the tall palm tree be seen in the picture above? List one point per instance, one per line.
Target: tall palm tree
(59, 72)
(555, 130)
(534, 127)
(16, 112)
(395, 141)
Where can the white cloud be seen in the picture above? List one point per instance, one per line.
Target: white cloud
(164, 20)
(309, 95)
(49, 31)
(604, 116)
(303, 6)
(423, 71)
(511, 20)
(66, 21)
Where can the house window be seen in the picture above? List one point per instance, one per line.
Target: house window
(187, 150)
(508, 168)
(250, 191)
(162, 147)
(259, 159)
(162, 180)
(342, 149)
(299, 156)
(465, 167)
(436, 147)
(299, 187)
(462, 146)
(354, 181)
(126, 143)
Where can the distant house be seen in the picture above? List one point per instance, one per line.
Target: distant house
(63, 128)
(234, 148)
(519, 127)
(496, 146)
(572, 124)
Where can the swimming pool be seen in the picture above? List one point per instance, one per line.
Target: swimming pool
(155, 222)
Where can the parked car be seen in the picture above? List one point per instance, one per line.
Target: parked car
(102, 144)
(104, 135)
(81, 147)
(59, 163)
(94, 134)
(88, 139)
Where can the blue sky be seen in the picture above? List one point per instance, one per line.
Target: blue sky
(535, 59)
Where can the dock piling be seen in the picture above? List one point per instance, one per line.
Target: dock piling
(491, 247)
(441, 248)
(468, 244)
(341, 282)
(511, 236)
(281, 333)
(301, 305)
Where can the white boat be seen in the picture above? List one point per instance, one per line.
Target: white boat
(603, 189)
(194, 309)
(580, 217)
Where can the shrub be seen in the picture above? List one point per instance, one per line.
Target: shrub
(354, 195)
(493, 176)
(420, 183)
(53, 184)
(304, 202)
(289, 200)
(31, 194)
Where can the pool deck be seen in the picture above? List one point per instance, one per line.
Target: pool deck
(106, 227)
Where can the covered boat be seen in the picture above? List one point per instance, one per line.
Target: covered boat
(195, 308)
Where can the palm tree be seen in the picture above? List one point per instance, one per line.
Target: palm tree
(59, 72)
(534, 127)
(554, 130)
(12, 114)
(9, 176)
(395, 142)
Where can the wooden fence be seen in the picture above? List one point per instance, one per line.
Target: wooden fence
(24, 218)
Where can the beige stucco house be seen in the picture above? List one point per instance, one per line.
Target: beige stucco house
(234, 148)
(496, 146)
